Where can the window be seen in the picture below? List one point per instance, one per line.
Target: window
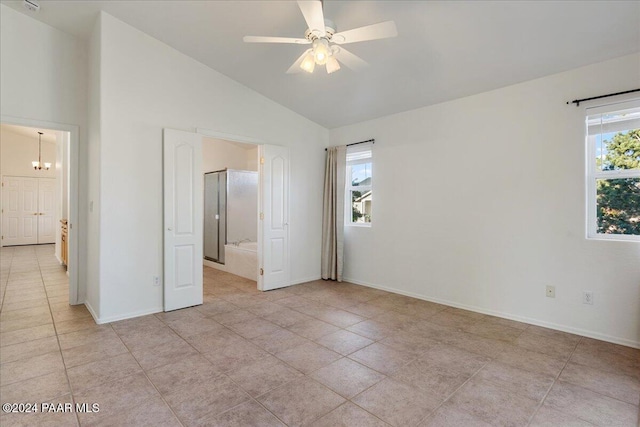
(613, 171)
(358, 182)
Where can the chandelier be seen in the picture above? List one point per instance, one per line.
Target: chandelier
(39, 165)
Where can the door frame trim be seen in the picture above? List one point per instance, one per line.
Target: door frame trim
(74, 139)
(231, 137)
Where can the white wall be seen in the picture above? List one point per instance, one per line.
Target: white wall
(92, 299)
(480, 203)
(252, 159)
(145, 87)
(218, 154)
(43, 78)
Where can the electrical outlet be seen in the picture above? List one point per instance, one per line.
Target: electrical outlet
(156, 281)
(587, 297)
(551, 291)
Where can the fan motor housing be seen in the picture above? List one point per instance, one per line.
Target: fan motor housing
(329, 27)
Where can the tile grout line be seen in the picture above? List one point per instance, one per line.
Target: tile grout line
(303, 297)
(307, 340)
(553, 383)
(269, 353)
(307, 375)
(38, 376)
(390, 377)
(303, 375)
(55, 330)
(6, 285)
(223, 373)
(145, 372)
(378, 341)
(491, 359)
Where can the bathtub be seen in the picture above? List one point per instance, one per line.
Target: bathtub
(242, 260)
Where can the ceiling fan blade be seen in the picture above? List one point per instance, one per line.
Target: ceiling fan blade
(266, 39)
(295, 68)
(382, 30)
(312, 11)
(349, 59)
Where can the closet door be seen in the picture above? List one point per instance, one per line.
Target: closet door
(19, 211)
(46, 210)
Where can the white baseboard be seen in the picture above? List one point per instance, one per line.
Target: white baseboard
(531, 321)
(92, 312)
(102, 321)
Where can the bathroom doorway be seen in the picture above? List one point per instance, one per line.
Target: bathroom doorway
(231, 185)
(183, 222)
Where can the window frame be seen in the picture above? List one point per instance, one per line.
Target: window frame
(348, 220)
(593, 175)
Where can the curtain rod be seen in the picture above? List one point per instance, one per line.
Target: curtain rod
(372, 140)
(578, 101)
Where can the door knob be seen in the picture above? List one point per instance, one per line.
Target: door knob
(169, 229)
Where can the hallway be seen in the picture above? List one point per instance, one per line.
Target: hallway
(34, 293)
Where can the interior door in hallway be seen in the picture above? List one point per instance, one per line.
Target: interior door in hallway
(273, 235)
(46, 210)
(19, 211)
(183, 219)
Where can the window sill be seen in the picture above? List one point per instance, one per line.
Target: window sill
(614, 238)
(358, 225)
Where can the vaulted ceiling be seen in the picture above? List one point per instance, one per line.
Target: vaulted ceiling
(444, 49)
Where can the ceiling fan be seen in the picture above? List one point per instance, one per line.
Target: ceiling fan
(326, 43)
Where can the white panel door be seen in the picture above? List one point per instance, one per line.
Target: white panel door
(183, 219)
(274, 223)
(19, 211)
(46, 210)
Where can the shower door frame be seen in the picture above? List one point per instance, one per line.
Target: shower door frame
(226, 185)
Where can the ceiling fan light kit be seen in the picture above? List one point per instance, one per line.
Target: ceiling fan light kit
(332, 65)
(309, 62)
(321, 51)
(321, 34)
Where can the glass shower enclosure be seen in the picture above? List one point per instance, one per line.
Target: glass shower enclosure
(230, 211)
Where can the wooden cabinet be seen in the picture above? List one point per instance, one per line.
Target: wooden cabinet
(64, 247)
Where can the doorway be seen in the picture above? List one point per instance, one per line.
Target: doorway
(272, 248)
(39, 202)
(231, 206)
(184, 215)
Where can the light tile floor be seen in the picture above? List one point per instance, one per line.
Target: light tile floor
(320, 353)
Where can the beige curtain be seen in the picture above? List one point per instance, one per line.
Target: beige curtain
(333, 213)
